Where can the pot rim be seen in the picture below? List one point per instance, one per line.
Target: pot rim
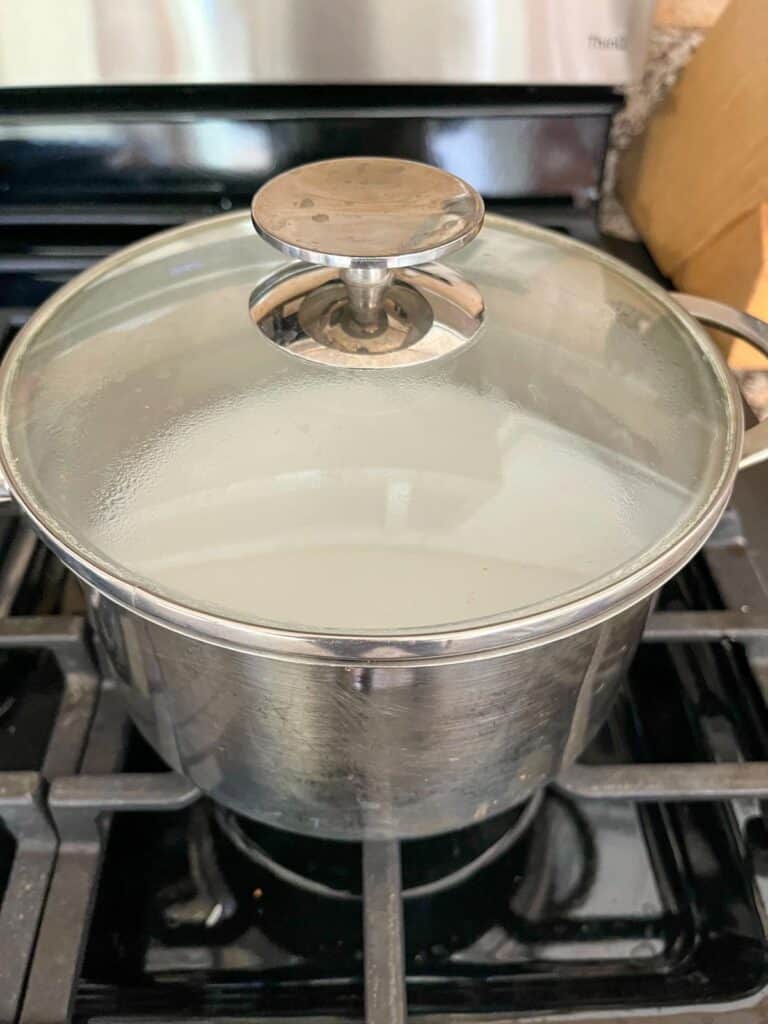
(495, 637)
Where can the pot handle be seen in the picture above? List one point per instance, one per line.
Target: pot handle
(717, 314)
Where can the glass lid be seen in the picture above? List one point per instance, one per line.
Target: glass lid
(353, 444)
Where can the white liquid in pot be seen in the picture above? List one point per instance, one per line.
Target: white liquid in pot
(284, 510)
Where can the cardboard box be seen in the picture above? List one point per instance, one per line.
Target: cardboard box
(696, 183)
(688, 13)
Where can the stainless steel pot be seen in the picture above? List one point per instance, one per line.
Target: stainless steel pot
(425, 724)
(366, 748)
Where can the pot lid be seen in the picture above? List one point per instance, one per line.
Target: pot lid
(368, 444)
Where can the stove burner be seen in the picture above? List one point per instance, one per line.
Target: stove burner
(250, 839)
(212, 901)
(250, 888)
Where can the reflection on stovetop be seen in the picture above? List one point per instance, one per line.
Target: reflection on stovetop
(594, 904)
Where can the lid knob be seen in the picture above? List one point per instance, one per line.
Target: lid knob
(365, 221)
(367, 216)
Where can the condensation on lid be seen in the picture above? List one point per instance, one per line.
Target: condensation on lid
(151, 427)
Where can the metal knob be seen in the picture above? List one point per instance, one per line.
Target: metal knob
(367, 215)
(370, 217)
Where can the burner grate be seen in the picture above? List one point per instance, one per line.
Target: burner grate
(29, 837)
(23, 813)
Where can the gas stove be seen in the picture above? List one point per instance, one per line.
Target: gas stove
(637, 886)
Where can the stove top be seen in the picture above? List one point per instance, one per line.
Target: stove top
(638, 885)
